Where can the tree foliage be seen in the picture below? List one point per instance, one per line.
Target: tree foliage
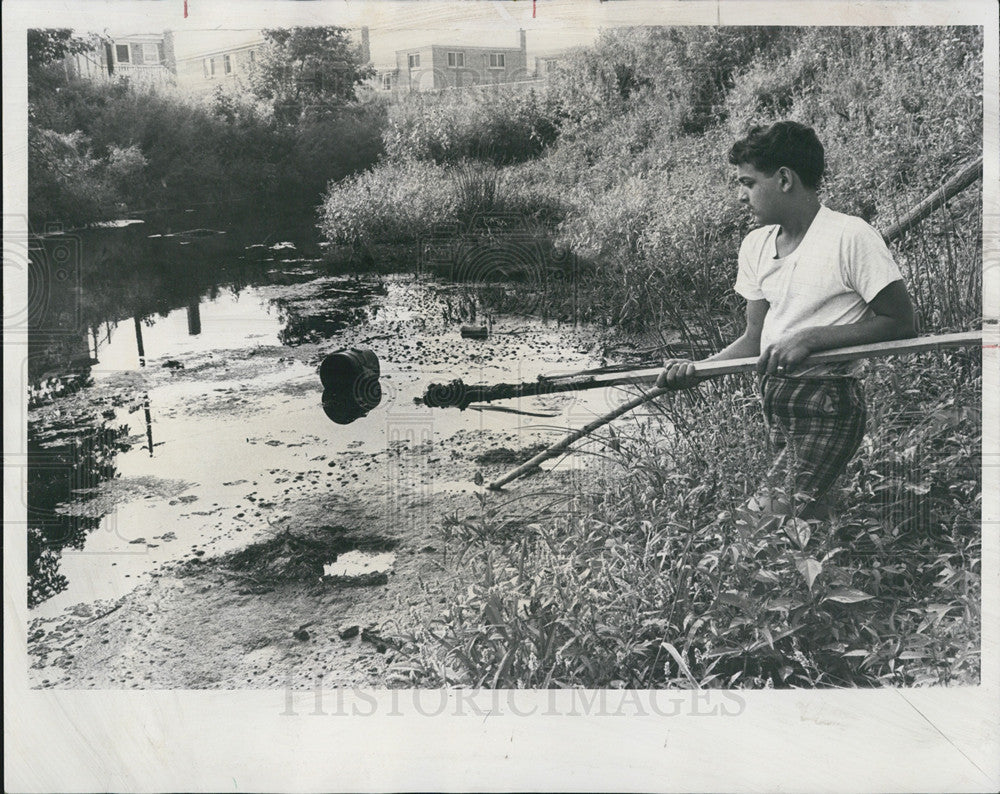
(99, 149)
(307, 71)
(46, 45)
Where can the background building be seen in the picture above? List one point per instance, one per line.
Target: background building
(202, 71)
(141, 58)
(433, 67)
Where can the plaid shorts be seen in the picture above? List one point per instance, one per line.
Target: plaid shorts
(815, 427)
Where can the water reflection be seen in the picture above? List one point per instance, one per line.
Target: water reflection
(109, 303)
(83, 284)
(337, 305)
(194, 318)
(81, 287)
(67, 458)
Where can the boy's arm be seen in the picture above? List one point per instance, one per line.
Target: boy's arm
(749, 343)
(893, 320)
(680, 373)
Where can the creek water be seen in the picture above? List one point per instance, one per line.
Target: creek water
(175, 406)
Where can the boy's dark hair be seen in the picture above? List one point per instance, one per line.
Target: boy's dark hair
(784, 143)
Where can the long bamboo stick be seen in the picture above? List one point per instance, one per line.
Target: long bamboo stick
(712, 369)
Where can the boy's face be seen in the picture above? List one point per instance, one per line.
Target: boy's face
(763, 194)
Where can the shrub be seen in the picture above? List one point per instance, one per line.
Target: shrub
(224, 154)
(332, 148)
(66, 179)
(394, 202)
(898, 109)
(489, 124)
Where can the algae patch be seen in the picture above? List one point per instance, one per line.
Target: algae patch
(290, 556)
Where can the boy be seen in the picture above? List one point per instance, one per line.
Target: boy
(813, 279)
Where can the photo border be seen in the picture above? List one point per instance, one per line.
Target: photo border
(880, 740)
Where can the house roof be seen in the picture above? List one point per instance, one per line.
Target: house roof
(197, 56)
(459, 47)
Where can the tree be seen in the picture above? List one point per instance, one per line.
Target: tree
(307, 72)
(46, 45)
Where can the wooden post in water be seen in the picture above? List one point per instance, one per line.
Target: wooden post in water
(712, 369)
(138, 341)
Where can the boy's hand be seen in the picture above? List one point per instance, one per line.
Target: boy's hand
(678, 373)
(783, 356)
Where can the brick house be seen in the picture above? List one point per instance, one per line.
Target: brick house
(434, 67)
(228, 65)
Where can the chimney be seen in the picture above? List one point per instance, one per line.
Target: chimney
(524, 41)
(366, 53)
(169, 56)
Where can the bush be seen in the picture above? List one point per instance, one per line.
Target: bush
(394, 202)
(898, 109)
(487, 124)
(66, 179)
(224, 154)
(333, 147)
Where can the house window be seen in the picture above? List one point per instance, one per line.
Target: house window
(387, 81)
(253, 56)
(413, 61)
(150, 54)
(227, 63)
(498, 60)
(121, 53)
(550, 66)
(208, 64)
(456, 59)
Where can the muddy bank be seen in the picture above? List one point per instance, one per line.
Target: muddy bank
(266, 616)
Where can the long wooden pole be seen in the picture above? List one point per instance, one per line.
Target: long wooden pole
(713, 369)
(935, 200)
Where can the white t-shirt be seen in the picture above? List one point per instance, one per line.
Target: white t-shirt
(840, 265)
